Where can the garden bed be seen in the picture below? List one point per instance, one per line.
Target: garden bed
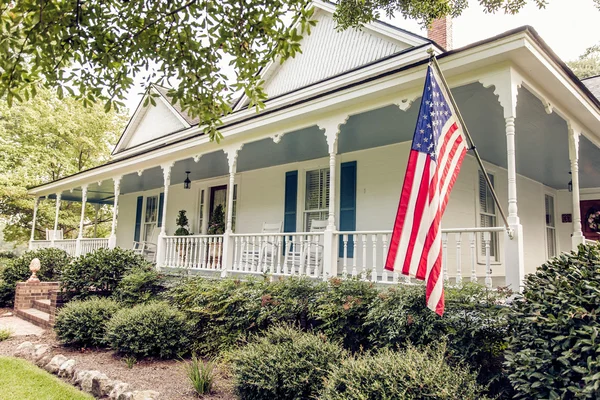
(164, 376)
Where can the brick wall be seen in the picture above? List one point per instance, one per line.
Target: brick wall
(28, 291)
(56, 301)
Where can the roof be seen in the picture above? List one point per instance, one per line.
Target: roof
(593, 84)
(164, 93)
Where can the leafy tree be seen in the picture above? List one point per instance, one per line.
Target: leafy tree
(588, 64)
(43, 139)
(94, 49)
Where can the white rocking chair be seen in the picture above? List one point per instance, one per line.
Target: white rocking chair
(147, 249)
(259, 255)
(52, 234)
(307, 254)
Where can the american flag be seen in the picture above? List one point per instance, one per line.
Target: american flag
(437, 152)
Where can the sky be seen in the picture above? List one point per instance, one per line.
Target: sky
(567, 26)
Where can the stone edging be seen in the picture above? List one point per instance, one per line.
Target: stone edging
(93, 382)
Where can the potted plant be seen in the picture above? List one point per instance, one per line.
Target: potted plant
(182, 224)
(216, 226)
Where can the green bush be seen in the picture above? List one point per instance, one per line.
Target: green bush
(52, 262)
(553, 352)
(341, 311)
(284, 364)
(149, 330)
(405, 375)
(474, 325)
(83, 323)
(224, 312)
(99, 272)
(138, 286)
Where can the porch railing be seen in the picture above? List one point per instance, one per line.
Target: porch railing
(589, 241)
(363, 254)
(202, 252)
(279, 253)
(68, 245)
(90, 245)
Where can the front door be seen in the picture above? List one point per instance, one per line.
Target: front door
(218, 196)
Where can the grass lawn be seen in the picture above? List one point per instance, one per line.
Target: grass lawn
(20, 380)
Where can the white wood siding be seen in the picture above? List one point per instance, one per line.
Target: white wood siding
(327, 52)
(157, 121)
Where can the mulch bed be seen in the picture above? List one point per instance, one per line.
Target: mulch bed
(166, 377)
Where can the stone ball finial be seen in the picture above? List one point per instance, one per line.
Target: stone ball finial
(34, 267)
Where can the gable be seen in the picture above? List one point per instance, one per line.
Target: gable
(151, 123)
(327, 52)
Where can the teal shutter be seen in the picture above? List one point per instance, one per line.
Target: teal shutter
(347, 204)
(161, 202)
(291, 201)
(138, 219)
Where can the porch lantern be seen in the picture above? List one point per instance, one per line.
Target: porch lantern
(570, 184)
(187, 184)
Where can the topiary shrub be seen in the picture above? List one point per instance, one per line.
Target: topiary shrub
(83, 323)
(99, 272)
(52, 262)
(553, 351)
(474, 325)
(138, 286)
(149, 330)
(341, 311)
(408, 374)
(284, 364)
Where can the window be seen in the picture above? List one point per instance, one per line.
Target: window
(550, 226)
(150, 217)
(201, 213)
(487, 215)
(316, 204)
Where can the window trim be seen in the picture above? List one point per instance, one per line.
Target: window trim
(143, 235)
(302, 196)
(480, 257)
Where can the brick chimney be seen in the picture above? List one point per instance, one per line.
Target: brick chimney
(440, 32)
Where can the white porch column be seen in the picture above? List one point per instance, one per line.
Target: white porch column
(161, 245)
(33, 220)
(112, 241)
(84, 190)
(58, 196)
(331, 128)
(227, 260)
(577, 238)
(506, 83)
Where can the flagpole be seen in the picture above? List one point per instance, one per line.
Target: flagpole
(470, 139)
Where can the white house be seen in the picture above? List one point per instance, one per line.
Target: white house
(331, 146)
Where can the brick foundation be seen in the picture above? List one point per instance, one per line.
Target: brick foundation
(28, 291)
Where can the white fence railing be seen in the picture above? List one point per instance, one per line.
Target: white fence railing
(40, 244)
(90, 245)
(589, 241)
(68, 245)
(203, 252)
(279, 253)
(363, 254)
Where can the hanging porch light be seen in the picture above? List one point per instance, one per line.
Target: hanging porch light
(187, 184)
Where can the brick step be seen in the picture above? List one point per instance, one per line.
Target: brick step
(42, 305)
(36, 317)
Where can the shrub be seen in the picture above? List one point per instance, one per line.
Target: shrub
(284, 364)
(154, 329)
(341, 311)
(99, 272)
(224, 312)
(83, 323)
(553, 352)
(52, 262)
(5, 333)
(474, 325)
(409, 374)
(138, 286)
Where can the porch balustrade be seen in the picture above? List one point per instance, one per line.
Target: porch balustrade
(200, 252)
(70, 245)
(90, 245)
(292, 254)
